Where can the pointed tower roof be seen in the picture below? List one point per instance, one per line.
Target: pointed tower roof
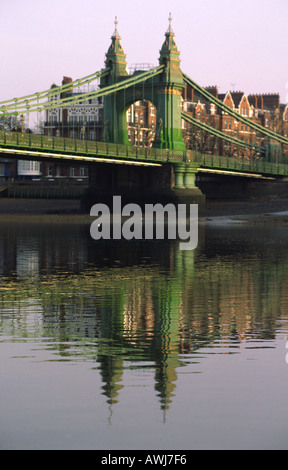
(169, 51)
(169, 54)
(115, 56)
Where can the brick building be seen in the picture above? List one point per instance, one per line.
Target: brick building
(265, 109)
(141, 123)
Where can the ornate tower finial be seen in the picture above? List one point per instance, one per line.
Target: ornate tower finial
(116, 34)
(169, 30)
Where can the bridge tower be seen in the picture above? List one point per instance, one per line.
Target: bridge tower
(114, 121)
(169, 90)
(164, 91)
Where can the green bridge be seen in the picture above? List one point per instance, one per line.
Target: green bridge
(163, 87)
(41, 147)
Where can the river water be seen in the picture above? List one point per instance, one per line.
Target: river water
(138, 345)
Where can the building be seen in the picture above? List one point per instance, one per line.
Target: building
(264, 109)
(141, 123)
(81, 120)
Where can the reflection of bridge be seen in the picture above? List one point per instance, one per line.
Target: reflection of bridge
(106, 304)
(162, 86)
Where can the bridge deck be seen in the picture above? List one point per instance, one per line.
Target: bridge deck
(40, 147)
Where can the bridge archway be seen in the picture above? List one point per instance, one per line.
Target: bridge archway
(141, 119)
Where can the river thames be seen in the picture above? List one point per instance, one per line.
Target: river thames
(139, 345)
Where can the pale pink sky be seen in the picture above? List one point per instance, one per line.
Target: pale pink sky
(240, 44)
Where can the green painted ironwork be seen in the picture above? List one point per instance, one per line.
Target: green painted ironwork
(26, 100)
(86, 149)
(40, 147)
(74, 99)
(222, 135)
(259, 166)
(163, 91)
(226, 109)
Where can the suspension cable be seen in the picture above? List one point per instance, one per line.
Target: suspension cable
(85, 96)
(58, 89)
(218, 133)
(221, 105)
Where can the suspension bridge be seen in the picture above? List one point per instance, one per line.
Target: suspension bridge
(163, 87)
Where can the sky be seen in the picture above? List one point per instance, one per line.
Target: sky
(237, 45)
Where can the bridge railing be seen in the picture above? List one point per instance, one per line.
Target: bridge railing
(259, 165)
(87, 148)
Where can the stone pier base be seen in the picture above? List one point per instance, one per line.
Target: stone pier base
(184, 189)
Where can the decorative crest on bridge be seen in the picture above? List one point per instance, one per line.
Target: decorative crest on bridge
(116, 34)
(115, 57)
(169, 30)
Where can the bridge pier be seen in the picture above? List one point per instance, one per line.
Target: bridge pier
(184, 186)
(184, 175)
(190, 177)
(169, 183)
(179, 171)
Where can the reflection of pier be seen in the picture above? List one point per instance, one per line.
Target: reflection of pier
(121, 304)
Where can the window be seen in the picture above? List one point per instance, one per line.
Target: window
(82, 171)
(73, 135)
(94, 116)
(73, 119)
(35, 166)
(83, 119)
(53, 118)
(72, 172)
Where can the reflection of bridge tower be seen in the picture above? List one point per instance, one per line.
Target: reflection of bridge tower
(111, 362)
(111, 372)
(169, 307)
(143, 314)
